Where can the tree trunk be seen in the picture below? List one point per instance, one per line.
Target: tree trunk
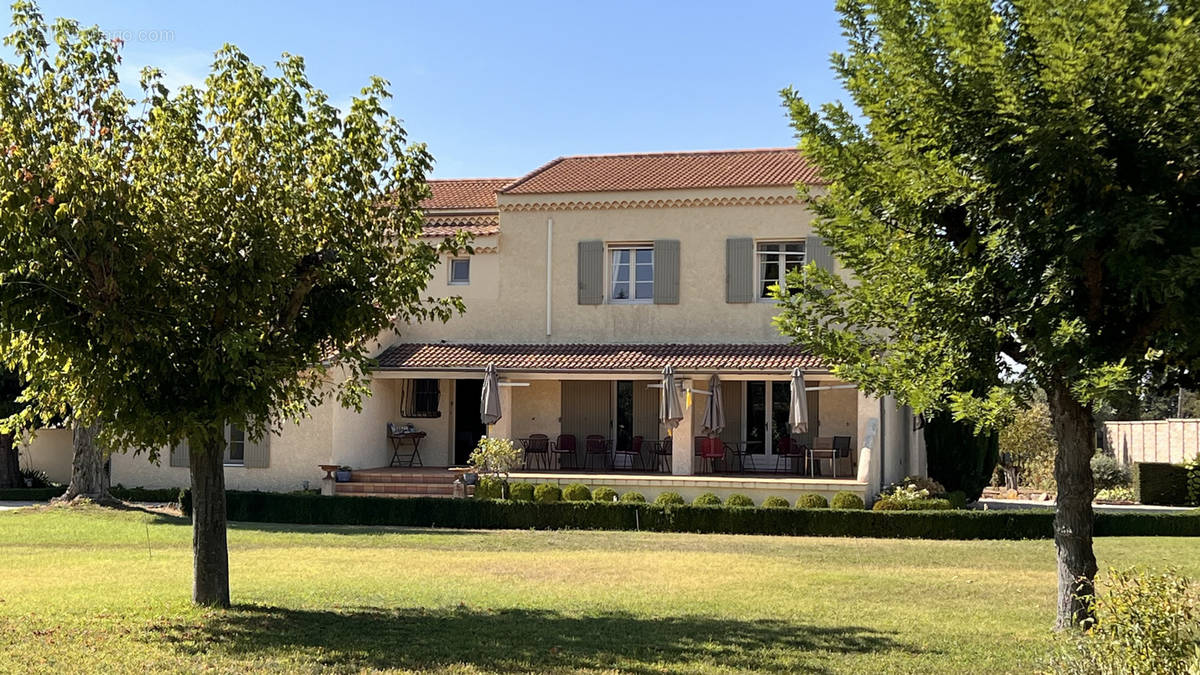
(1073, 520)
(10, 465)
(210, 549)
(89, 467)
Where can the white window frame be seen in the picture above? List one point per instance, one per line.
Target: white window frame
(633, 265)
(781, 260)
(450, 280)
(229, 443)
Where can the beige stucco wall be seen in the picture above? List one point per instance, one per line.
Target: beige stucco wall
(49, 450)
(537, 409)
(517, 310)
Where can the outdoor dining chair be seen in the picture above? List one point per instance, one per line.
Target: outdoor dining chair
(633, 451)
(712, 450)
(662, 455)
(596, 446)
(564, 449)
(787, 449)
(841, 453)
(537, 446)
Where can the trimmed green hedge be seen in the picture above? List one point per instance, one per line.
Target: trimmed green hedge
(1155, 483)
(127, 494)
(496, 514)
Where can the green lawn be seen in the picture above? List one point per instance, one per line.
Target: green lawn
(88, 589)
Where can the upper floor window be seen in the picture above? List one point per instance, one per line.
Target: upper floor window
(460, 271)
(775, 260)
(632, 274)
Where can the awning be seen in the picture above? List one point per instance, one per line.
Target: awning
(779, 359)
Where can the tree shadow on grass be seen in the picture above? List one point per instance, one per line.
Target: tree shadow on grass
(518, 640)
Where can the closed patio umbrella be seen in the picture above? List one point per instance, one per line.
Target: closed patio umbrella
(714, 412)
(489, 401)
(670, 411)
(798, 415)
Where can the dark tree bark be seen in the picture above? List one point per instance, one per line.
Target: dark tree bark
(210, 549)
(89, 467)
(10, 465)
(1073, 520)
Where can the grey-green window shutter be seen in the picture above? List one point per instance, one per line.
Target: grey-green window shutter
(666, 272)
(815, 250)
(179, 454)
(739, 269)
(591, 272)
(258, 453)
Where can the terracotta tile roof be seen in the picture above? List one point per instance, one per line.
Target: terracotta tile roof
(668, 171)
(605, 357)
(464, 193)
(449, 225)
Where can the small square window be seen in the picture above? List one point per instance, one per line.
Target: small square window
(460, 271)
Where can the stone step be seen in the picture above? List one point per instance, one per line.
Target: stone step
(415, 489)
(439, 477)
(395, 495)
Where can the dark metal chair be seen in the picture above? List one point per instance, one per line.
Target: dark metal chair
(633, 451)
(596, 446)
(565, 448)
(841, 451)
(537, 446)
(789, 449)
(662, 454)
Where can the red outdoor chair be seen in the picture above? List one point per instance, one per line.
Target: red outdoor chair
(564, 448)
(596, 446)
(788, 449)
(713, 450)
(633, 451)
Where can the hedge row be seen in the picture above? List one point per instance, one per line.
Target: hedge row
(489, 514)
(127, 494)
(1155, 483)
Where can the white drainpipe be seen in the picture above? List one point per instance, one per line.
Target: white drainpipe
(549, 261)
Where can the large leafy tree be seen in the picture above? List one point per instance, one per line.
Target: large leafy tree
(210, 256)
(1017, 194)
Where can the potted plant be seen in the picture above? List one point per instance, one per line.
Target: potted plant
(496, 457)
(342, 475)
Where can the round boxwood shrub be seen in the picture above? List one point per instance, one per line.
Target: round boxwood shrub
(847, 500)
(707, 499)
(1108, 473)
(604, 494)
(738, 500)
(576, 492)
(812, 501)
(547, 493)
(521, 492)
(633, 498)
(489, 488)
(775, 503)
(669, 499)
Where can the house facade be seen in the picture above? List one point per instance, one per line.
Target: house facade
(588, 277)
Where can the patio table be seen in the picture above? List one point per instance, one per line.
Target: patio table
(410, 438)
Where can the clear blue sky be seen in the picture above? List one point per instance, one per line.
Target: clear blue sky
(497, 89)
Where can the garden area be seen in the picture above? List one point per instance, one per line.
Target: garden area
(109, 588)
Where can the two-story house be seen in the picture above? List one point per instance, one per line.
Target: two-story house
(589, 276)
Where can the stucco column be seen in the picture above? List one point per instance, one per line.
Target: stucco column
(682, 438)
(503, 427)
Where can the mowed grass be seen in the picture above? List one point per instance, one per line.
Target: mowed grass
(87, 589)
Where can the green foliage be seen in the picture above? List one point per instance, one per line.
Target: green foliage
(847, 500)
(812, 501)
(931, 487)
(1117, 494)
(893, 503)
(576, 492)
(1108, 473)
(776, 503)
(958, 456)
(1146, 624)
(739, 500)
(35, 479)
(1027, 444)
(495, 457)
(957, 499)
(633, 498)
(225, 254)
(707, 499)
(521, 492)
(1164, 484)
(489, 487)
(547, 493)
(496, 514)
(604, 494)
(669, 499)
(1193, 481)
